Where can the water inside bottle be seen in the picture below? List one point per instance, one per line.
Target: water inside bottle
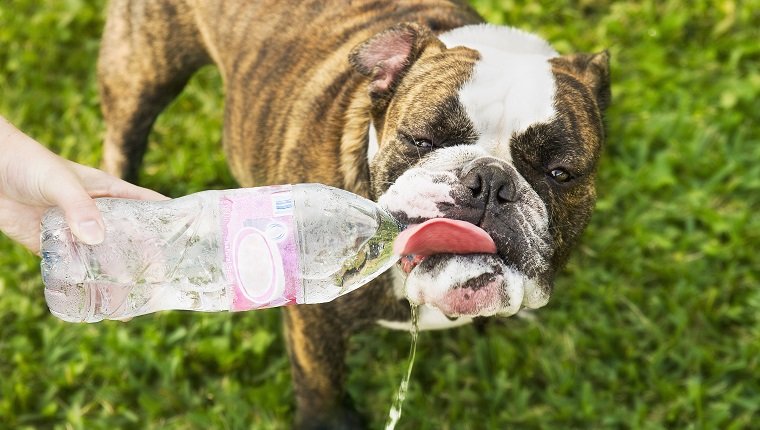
(157, 255)
(345, 241)
(395, 413)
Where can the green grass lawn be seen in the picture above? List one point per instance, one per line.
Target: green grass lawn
(655, 323)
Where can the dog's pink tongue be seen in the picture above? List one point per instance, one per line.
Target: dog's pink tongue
(443, 235)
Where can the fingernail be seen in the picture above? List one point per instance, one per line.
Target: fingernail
(90, 232)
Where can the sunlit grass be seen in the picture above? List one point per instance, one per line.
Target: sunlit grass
(654, 323)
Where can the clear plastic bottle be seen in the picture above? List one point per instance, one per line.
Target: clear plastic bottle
(212, 251)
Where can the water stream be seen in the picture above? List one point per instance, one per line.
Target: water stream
(395, 414)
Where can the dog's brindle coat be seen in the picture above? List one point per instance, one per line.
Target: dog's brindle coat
(298, 110)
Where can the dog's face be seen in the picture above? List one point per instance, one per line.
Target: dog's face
(490, 126)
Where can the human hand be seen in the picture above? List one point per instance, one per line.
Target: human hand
(33, 179)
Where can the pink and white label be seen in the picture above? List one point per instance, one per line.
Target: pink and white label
(261, 258)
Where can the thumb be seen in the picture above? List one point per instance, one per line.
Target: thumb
(79, 209)
(84, 220)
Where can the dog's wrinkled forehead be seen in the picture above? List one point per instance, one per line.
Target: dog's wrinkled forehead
(491, 84)
(512, 85)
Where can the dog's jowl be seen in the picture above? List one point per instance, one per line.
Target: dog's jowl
(416, 104)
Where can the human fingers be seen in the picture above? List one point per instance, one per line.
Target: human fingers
(100, 184)
(64, 189)
(21, 222)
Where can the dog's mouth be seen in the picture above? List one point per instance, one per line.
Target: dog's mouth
(454, 266)
(440, 236)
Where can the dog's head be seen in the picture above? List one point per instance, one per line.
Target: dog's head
(488, 125)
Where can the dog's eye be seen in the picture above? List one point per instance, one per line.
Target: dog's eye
(419, 142)
(560, 175)
(422, 143)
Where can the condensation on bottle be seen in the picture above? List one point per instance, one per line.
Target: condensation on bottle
(222, 250)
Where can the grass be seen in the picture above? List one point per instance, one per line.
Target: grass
(655, 323)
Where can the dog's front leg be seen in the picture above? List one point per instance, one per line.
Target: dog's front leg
(317, 346)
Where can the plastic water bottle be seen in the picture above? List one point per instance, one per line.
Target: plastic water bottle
(233, 250)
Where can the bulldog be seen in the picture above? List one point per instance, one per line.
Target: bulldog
(417, 104)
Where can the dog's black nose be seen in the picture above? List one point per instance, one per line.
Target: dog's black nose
(491, 184)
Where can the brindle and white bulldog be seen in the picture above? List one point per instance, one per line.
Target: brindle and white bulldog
(416, 104)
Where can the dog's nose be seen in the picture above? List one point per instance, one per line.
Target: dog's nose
(491, 184)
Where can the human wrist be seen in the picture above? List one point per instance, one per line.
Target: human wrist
(23, 162)
(7, 132)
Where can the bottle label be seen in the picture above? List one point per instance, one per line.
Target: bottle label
(261, 259)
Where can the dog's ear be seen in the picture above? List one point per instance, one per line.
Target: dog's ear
(387, 56)
(591, 69)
